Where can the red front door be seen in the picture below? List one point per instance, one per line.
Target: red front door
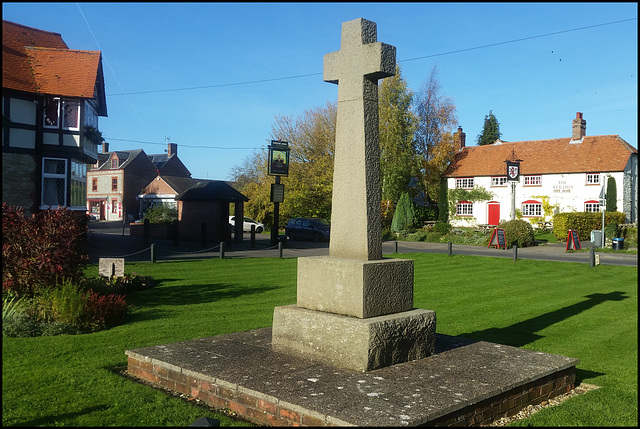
(494, 213)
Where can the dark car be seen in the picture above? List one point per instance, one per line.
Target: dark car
(309, 228)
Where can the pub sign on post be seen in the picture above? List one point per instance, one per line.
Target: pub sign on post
(278, 158)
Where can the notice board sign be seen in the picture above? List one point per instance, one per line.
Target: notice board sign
(573, 241)
(277, 193)
(497, 239)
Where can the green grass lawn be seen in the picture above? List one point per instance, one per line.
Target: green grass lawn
(560, 308)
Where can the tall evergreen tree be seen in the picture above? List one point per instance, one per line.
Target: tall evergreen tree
(404, 216)
(490, 130)
(612, 195)
(397, 125)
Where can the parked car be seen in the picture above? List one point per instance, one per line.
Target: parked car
(246, 225)
(311, 228)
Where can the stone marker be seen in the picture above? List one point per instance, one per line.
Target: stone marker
(111, 267)
(354, 309)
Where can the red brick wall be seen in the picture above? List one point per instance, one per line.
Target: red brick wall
(263, 409)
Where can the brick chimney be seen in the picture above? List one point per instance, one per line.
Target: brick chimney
(460, 138)
(579, 127)
(105, 147)
(172, 149)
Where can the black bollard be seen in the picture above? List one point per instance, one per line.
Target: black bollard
(222, 250)
(153, 252)
(515, 252)
(280, 249)
(396, 247)
(592, 257)
(145, 232)
(450, 245)
(253, 236)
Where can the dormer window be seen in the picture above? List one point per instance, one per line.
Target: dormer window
(114, 162)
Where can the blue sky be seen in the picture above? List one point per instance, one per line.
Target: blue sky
(533, 64)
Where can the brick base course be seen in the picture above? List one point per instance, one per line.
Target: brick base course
(263, 409)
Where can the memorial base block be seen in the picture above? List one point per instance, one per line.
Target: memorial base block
(355, 288)
(353, 343)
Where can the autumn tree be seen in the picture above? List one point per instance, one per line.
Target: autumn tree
(490, 130)
(311, 138)
(397, 127)
(434, 143)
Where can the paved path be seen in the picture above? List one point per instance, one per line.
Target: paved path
(110, 239)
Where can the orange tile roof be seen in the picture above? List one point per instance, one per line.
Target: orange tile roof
(64, 72)
(555, 156)
(38, 61)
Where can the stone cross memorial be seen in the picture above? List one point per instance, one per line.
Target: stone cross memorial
(354, 308)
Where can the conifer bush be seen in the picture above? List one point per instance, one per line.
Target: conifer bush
(404, 216)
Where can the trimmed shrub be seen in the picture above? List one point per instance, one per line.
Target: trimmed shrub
(518, 231)
(162, 214)
(584, 223)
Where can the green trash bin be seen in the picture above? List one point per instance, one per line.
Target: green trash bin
(618, 243)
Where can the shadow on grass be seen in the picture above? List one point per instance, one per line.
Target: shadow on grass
(523, 333)
(150, 300)
(54, 420)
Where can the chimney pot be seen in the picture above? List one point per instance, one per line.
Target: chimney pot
(105, 147)
(461, 137)
(172, 149)
(579, 127)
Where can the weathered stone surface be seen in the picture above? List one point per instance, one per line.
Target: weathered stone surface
(356, 228)
(354, 287)
(108, 267)
(353, 343)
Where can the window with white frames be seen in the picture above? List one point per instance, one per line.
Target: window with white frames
(592, 206)
(466, 183)
(54, 182)
(61, 112)
(51, 112)
(78, 185)
(464, 208)
(593, 179)
(532, 208)
(499, 181)
(70, 115)
(532, 180)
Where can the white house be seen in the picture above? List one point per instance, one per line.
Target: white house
(566, 173)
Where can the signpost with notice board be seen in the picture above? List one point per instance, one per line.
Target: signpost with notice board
(573, 240)
(497, 239)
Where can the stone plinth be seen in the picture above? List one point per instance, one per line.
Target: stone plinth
(354, 287)
(352, 343)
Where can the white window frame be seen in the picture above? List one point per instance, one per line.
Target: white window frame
(593, 179)
(54, 176)
(464, 208)
(66, 103)
(464, 183)
(44, 116)
(532, 180)
(531, 209)
(78, 197)
(498, 181)
(592, 207)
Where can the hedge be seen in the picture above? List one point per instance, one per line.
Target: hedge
(584, 223)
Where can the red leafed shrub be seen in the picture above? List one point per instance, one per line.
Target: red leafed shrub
(41, 250)
(103, 311)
